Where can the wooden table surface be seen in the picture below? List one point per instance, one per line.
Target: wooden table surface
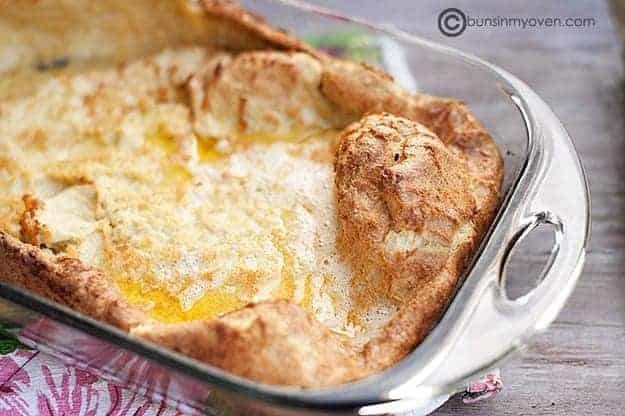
(578, 365)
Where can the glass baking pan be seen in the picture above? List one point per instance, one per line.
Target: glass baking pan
(544, 186)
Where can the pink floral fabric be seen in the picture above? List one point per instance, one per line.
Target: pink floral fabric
(92, 377)
(33, 383)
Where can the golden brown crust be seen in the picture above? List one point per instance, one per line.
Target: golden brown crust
(274, 342)
(278, 342)
(405, 205)
(419, 314)
(65, 280)
(402, 197)
(261, 91)
(362, 90)
(256, 26)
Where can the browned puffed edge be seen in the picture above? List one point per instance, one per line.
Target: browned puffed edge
(275, 342)
(65, 280)
(256, 25)
(415, 319)
(362, 90)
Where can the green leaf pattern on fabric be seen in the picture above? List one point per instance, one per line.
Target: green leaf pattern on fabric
(9, 342)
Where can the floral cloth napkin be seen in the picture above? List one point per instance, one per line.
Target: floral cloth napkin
(34, 383)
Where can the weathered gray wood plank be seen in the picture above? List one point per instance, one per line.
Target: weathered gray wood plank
(572, 369)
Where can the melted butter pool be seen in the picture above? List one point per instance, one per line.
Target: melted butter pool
(167, 307)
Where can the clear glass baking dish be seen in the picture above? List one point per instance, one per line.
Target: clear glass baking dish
(544, 186)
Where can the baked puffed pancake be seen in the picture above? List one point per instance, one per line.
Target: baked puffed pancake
(230, 193)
